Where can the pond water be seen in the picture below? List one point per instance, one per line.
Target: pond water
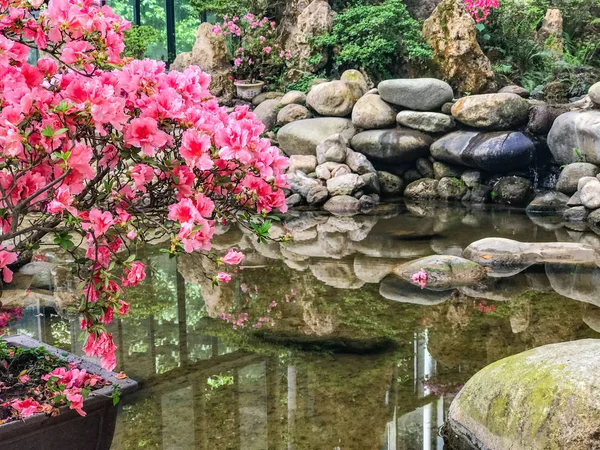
(349, 358)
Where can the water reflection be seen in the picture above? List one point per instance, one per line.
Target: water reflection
(358, 360)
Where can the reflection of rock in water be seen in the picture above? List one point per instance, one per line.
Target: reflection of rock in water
(395, 288)
(577, 282)
(591, 317)
(317, 323)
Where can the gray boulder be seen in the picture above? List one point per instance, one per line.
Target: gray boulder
(594, 93)
(425, 167)
(420, 94)
(301, 184)
(548, 397)
(569, 177)
(451, 188)
(334, 98)
(425, 188)
(358, 162)
(428, 122)
(303, 136)
(441, 170)
(317, 195)
(575, 214)
(293, 97)
(293, 200)
(329, 170)
(590, 194)
(443, 271)
(264, 96)
(394, 146)
(342, 205)
(391, 185)
(371, 112)
(303, 163)
(344, 185)
(514, 89)
(502, 151)
(370, 183)
(575, 136)
(471, 178)
(292, 113)
(332, 149)
(492, 111)
(266, 112)
(548, 203)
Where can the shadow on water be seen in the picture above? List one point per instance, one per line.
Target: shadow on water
(351, 357)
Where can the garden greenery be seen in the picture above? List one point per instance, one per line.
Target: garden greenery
(377, 38)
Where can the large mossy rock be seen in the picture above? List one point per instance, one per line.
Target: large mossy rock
(501, 151)
(394, 146)
(492, 111)
(419, 94)
(576, 135)
(452, 34)
(302, 137)
(545, 398)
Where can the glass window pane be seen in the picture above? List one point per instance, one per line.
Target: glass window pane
(153, 14)
(186, 23)
(123, 8)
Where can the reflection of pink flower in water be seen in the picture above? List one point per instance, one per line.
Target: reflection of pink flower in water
(420, 278)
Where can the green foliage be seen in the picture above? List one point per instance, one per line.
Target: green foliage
(376, 37)
(510, 40)
(303, 84)
(138, 39)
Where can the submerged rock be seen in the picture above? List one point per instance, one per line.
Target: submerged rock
(514, 190)
(302, 136)
(443, 271)
(548, 397)
(343, 205)
(420, 94)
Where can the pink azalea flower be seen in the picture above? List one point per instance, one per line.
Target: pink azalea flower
(26, 408)
(6, 258)
(233, 258)
(134, 275)
(76, 401)
(144, 133)
(99, 222)
(62, 201)
(223, 277)
(102, 345)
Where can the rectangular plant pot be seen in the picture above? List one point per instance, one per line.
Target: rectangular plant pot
(68, 431)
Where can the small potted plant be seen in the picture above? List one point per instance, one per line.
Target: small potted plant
(54, 400)
(256, 56)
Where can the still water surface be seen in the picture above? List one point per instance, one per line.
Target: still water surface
(355, 360)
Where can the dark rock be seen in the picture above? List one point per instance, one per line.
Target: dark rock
(425, 188)
(441, 170)
(548, 203)
(512, 190)
(451, 189)
(391, 185)
(425, 167)
(576, 214)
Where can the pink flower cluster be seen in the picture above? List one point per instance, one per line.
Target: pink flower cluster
(480, 9)
(259, 52)
(420, 278)
(68, 386)
(88, 140)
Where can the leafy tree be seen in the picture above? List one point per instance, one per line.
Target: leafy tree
(377, 38)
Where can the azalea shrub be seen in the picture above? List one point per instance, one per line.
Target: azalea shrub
(252, 46)
(34, 380)
(105, 153)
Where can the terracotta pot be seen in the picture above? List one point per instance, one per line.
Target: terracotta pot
(247, 90)
(68, 430)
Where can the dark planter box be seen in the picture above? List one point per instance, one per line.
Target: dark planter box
(68, 431)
